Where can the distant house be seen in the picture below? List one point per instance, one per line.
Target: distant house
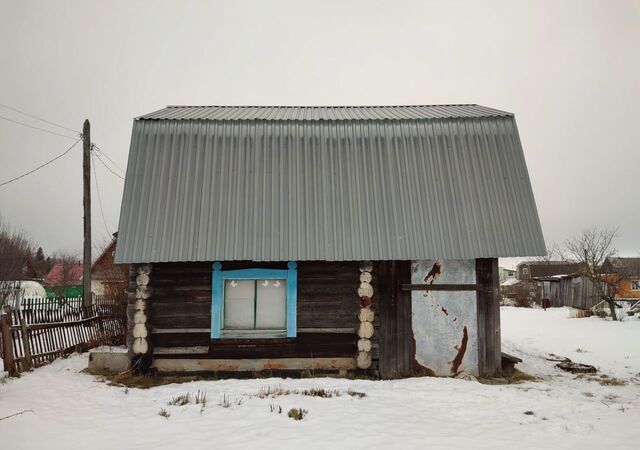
(529, 270)
(539, 280)
(64, 280)
(28, 272)
(108, 279)
(323, 239)
(573, 290)
(627, 276)
(506, 273)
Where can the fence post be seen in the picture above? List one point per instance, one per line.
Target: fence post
(28, 362)
(7, 342)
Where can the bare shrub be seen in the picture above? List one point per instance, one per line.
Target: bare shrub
(297, 413)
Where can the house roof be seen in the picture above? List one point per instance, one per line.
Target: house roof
(331, 113)
(326, 183)
(104, 259)
(625, 265)
(551, 268)
(56, 276)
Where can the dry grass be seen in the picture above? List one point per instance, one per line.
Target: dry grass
(356, 394)
(297, 413)
(130, 380)
(164, 413)
(516, 377)
(519, 376)
(277, 391)
(323, 393)
(605, 380)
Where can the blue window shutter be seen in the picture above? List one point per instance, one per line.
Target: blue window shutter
(217, 292)
(292, 299)
(216, 301)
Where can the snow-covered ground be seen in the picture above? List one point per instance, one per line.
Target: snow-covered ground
(67, 409)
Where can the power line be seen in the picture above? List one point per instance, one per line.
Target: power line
(37, 128)
(40, 166)
(107, 167)
(107, 156)
(95, 177)
(38, 118)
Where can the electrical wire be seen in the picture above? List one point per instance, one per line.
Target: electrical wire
(107, 156)
(95, 177)
(39, 118)
(37, 128)
(107, 167)
(40, 166)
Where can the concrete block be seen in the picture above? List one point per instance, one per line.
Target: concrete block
(113, 361)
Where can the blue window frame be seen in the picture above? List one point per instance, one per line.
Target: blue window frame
(289, 275)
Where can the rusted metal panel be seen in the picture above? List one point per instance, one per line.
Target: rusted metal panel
(445, 322)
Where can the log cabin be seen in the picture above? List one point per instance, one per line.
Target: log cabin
(347, 240)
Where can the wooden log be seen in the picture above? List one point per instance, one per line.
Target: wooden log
(140, 305)
(140, 317)
(366, 315)
(364, 345)
(140, 346)
(365, 330)
(176, 365)
(363, 360)
(194, 350)
(366, 266)
(441, 287)
(139, 331)
(365, 277)
(143, 292)
(365, 290)
(180, 330)
(144, 269)
(142, 279)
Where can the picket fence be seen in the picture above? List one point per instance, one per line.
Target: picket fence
(40, 330)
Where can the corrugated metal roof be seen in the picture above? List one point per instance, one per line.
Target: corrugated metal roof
(322, 112)
(206, 190)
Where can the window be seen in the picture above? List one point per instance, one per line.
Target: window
(256, 303)
(635, 285)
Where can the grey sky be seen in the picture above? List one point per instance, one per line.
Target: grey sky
(570, 71)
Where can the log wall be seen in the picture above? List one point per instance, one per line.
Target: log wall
(328, 305)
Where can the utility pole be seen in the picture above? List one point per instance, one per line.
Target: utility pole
(86, 203)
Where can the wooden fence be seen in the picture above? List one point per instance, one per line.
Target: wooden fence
(41, 329)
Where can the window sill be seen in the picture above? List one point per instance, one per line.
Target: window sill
(253, 334)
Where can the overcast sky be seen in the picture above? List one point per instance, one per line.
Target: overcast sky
(570, 71)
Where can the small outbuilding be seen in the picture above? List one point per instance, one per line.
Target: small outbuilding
(322, 239)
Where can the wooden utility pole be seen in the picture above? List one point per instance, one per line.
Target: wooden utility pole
(86, 203)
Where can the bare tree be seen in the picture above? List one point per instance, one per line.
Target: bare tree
(15, 250)
(592, 248)
(554, 253)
